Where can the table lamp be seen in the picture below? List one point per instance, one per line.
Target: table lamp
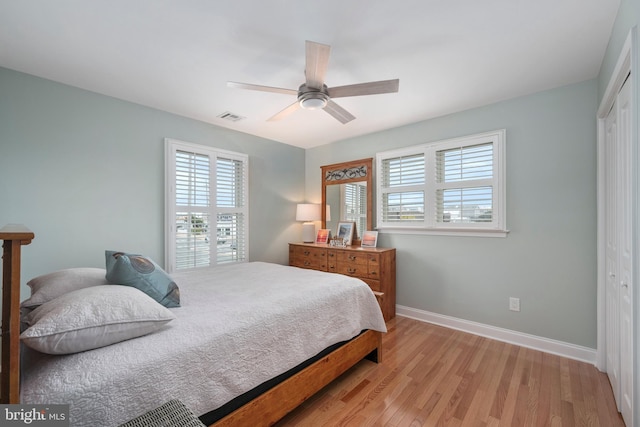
(308, 213)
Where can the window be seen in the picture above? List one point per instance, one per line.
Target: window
(446, 187)
(206, 206)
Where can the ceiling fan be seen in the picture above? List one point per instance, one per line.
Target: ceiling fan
(313, 94)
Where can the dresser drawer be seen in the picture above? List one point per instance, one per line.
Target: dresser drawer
(307, 257)
(355, 270)
(373, 259)
(352, 258)
(332, 261)
(373, 264)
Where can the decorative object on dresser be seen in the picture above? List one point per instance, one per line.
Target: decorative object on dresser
(375, 266)
(308, 213)
(323, 236)
(370, 239)
(345, 231)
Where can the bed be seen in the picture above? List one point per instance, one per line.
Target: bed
(249, 343)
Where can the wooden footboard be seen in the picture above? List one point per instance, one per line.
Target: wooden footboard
(268, 408)
(14, 237)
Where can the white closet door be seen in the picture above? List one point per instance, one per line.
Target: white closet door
(619, 252)
(625, 252)
(611, 255)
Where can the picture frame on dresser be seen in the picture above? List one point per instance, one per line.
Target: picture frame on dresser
(323, 236)
(345, 231)
(369, 239)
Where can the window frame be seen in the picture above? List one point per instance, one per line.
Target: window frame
(429, 224)
(172, 146)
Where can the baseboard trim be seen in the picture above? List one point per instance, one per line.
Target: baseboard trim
(546, 345)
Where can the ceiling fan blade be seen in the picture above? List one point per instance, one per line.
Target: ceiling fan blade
(316, 63)
(338, 112)
(284, 113)
(371, 88)
(260, 88)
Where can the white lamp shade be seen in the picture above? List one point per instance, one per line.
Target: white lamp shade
(308, 212)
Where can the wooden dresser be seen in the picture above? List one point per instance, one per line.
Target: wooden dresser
(375, 266)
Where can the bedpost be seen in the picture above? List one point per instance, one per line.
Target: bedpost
(14, 236)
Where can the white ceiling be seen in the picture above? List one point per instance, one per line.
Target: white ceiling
(177, 55)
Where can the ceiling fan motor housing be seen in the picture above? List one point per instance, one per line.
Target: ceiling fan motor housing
(312, 98)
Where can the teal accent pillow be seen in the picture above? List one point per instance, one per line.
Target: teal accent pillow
(142, 273)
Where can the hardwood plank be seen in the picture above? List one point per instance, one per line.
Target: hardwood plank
(434, 376)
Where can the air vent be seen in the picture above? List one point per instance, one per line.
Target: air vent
(230, 116)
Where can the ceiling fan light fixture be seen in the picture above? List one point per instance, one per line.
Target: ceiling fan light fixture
(313, 100)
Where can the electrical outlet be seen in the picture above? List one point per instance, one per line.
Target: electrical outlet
(514, 304)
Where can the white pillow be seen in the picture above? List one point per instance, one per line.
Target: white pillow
(51, 285)
(93, 317)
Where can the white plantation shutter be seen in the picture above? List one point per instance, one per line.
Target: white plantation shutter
(402, 189)
(231, 199)
(206, 205)
(464, 181)
(446, 187)
(193, 209)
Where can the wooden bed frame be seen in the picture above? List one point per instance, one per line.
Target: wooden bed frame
(264, 410)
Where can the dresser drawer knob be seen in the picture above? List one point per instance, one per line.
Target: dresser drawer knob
(352, 257)
(351, 270)
(373, 273)
(307, 263)
(306, 253)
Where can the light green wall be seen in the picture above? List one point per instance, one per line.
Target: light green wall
(548, 259)
(86, 173)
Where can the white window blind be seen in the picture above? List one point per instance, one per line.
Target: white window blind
(403, 189)
(446, 187)
(192, 215)
(231, 198)
(206, 206)
(464, 192)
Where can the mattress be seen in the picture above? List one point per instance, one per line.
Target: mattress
(238, 326)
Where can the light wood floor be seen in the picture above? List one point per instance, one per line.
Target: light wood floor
(434, 376)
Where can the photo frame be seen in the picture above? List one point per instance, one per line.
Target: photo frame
(345, 231)
(323, 236)
(369, 239)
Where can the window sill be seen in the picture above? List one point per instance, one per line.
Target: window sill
(460, 232)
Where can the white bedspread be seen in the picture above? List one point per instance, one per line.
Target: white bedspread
(239, 325)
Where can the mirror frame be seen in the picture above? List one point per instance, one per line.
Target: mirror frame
(343, 173)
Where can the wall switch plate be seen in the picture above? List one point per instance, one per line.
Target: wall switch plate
(514, 304)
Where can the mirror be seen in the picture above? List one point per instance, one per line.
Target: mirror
(346, 189)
